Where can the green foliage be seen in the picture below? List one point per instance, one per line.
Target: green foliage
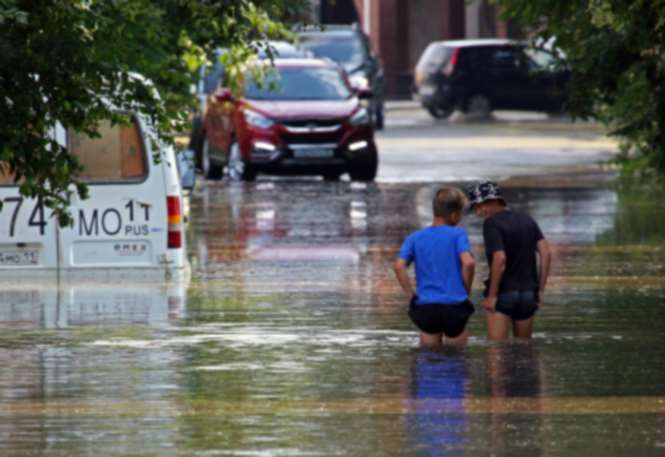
(70, 61)
(617, 56)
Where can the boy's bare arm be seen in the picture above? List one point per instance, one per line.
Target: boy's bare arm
(545, 257)
(496, 273)
(402, 275)
(468, 269)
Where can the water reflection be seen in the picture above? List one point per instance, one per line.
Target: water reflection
(439, 383)
(514, 373)
(61, 396)
(57, 304)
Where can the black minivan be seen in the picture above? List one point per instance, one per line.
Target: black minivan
(483, 75)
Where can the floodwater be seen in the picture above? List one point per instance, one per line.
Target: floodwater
(292, 339)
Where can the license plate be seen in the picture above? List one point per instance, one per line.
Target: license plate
(427, 90)
(19, 257)
(313, 153)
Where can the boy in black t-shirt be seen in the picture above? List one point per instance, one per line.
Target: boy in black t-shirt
(516, 284)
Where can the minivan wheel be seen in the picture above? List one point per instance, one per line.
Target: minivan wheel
(209, 169)
(239, 169)
(478, 104)
(364, 166)
(331, 176)
(440, 112)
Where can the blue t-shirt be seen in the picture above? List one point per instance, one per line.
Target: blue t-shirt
(436, 252)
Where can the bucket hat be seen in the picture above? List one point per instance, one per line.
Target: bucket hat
(484, 191)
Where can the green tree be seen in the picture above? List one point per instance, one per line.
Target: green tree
(70, 60)
(616, 53)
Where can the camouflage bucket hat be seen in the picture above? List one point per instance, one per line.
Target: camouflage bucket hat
(483, 192)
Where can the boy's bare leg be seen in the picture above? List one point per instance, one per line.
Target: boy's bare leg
(460, 339)
(431, 339)
(498, 325)
(523, 328)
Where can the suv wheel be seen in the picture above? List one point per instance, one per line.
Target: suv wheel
(196, 140)
(440, 112)
(478, 104)
(239, 169)
(364, 166)
(209, 168)
(378, 118)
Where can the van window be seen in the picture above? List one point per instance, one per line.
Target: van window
(117, 155)
(6, 178)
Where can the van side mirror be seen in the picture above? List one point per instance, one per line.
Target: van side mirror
(224, 94)
(364, 93)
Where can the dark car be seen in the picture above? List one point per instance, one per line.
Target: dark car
(350, 48)
(483, 75)
(303, 118)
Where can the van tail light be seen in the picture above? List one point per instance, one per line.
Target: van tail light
(174, 216)
(452, 62)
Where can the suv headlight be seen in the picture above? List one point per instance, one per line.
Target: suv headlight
(359, 80)
(257, 120)
(360, 118)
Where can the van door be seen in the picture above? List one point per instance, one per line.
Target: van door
(27, 230)
(124, 222)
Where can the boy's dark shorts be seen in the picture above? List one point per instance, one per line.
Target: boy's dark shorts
(518, 304)
(449, 319)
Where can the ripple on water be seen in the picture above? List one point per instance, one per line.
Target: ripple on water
(252, 336)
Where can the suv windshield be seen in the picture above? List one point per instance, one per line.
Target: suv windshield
(346, 51)
(299, 83)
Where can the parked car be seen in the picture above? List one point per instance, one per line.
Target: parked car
(211, 78)
(350, 48)
(132, 219)
(484, 75)
(305, 118)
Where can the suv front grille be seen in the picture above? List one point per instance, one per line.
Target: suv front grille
(312, 122)
(312, 131)
(312, 126)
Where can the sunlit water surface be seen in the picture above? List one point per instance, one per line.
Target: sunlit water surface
(292, 339)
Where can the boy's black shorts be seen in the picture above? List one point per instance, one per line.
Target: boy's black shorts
(449, 319)
(517, 304)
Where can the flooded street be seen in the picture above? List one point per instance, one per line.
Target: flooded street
(292, 339)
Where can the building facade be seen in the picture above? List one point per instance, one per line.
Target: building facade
(401, 29)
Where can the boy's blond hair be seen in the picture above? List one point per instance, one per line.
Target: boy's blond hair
(448, 202)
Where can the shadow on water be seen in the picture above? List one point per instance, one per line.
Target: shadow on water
(293, 339)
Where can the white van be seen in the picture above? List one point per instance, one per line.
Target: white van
(132, 219)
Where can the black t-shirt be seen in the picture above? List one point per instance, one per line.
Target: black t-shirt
(516, 234)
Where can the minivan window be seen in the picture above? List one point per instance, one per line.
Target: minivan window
(505, 59)
(433, 57)
(538, 59)
(116, 155)
(299, 83)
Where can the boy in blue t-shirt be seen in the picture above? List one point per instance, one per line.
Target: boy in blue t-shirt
(444, 272)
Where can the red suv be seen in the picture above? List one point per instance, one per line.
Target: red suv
(304, 118)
